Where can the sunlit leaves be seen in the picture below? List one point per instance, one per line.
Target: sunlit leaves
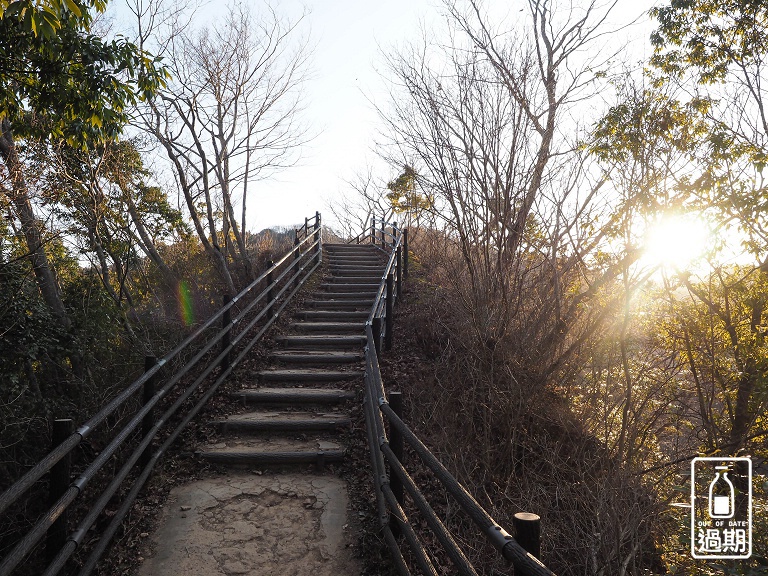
(645, 117)
(45, 18)
(61, 81)
(709, 36)
(403, 196)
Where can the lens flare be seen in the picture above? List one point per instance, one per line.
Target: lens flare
(677, 241)
(186, 307)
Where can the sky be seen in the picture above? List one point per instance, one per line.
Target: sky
(349, 38)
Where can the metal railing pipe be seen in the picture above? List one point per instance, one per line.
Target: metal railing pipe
(143, 415)
(425, 564)
(397, 555)
(389, 324)
(462, 563)
(499, 538)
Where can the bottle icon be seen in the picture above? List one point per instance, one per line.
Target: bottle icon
(721, 494)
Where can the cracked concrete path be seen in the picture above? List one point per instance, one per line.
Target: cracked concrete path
(293, 524)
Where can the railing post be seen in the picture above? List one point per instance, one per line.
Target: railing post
(296, 256)
(376, 329)
(389, 319)
(318, 239)
(399, 270)
(405, 253)
(383, 226)
(270, 290)
(148, 421)
(528, 532)
(373, 230)
(59, 478)
(394, 232)
(396, 443)
(226, 325)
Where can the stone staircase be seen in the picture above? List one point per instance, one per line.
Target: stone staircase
(276, 509)
(298, 407)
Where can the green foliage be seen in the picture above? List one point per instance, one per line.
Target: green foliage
(717, 50)
(75, 85)
(43, 18)
(709, 36)
(28, 330)
(102, 183)
(31, 345)
(125, 170)
(647, 118)
(403, 196)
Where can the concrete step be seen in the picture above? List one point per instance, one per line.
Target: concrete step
(364, 264)
(377, 272)
(322, 341)
(354, 279)
(296, 422)
(370, 258)
(348, 304)
(329, 327)
(378, 259)
(309, 375)
(346, 267)
(348, 276)
(294, 395)
(347, 286)
(271, 451)
(335, 247)
(374, 254)
(333, 315)
(322, 357)
(334, 296)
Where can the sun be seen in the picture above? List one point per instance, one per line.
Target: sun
(676, 242)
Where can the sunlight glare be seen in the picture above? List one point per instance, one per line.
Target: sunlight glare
(676, 242)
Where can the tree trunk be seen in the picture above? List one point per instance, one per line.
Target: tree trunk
(31, 228)
(147, 244)
(230, 221)
(211, 246)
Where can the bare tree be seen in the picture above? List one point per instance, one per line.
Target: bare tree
(490, 122)
(355, 211)
(487, 121)
(229, 115)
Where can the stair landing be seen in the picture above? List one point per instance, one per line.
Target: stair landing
(247, 524)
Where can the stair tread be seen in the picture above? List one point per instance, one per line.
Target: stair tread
(330, 327)
(341, 296)
(309, 374)
(318, 353)
(321, 339)
(345, 302)
(352, 266)
(333, 313)
(354, 285)
(266, 445)
(287, 422)
(306, 392)
(300, 356)
(285, 415)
